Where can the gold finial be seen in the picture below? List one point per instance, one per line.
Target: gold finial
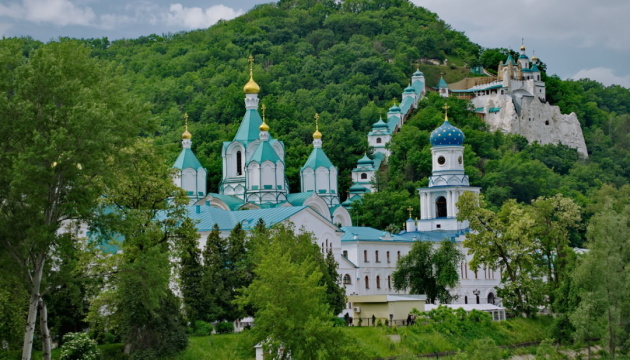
(263, 126)
(522, 44)
(186, 134)
(534, 58)
(251, 87)
(446, 107)
(410, 209)
(317, 134)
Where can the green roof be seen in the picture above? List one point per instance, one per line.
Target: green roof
(367, 233)
(249, 129)
(318, 159)
(509, 60)
(187, 159)
(264, 152)
(298, 199)
(442, 84)
(534, 68)
(232, 202)
(207, 216)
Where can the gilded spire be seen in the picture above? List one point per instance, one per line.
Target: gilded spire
(446, 107)
(522, 44)
(317, 134)
(410, 209)
(251, 87)
(263, 126)
(186, 134)
(534, 58)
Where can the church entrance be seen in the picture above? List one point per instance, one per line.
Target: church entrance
(440, 207)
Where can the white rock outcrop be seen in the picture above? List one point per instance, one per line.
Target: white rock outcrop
(536, 121)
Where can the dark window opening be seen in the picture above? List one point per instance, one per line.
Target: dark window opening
(363, 176)
(239, 163)
(440, 207)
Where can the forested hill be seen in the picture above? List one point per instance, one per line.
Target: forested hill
(347, 61)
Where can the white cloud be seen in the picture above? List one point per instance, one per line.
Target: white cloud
(583, 23)
(604, 75)
(57, 12)
(195, 17)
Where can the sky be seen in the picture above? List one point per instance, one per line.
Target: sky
(575, 38)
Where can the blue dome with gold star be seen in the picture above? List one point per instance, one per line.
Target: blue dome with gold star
(447, 135)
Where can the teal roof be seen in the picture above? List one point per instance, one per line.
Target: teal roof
(364, 233)
(380, 124)
(446, 135)
(394, 109)
(418, 86)
(358, 189)
(351, 199)
(534, 68)
(187, 159)
(435, 236)
(523, 56)
(406, 104)
(207, 216)
(232, 202)
(480, 110)
(509, 60)
(494, 110)
(365, 160)
(442, 84)
(410, 89)
(318, 159)
(418, 73)
(298, 199)
(264, 152)
(249, 129)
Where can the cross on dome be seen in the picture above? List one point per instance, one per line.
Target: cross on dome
(263, 126)
(186, 134)
(317, 134)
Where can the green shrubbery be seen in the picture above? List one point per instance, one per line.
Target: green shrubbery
(79, 346)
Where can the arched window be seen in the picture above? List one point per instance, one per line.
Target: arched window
(376, 256)
(363, 176)
(440, 207)
(239, 163)
(378, 140)
(378, 282)
(365, 256)
(387, 257)
(491, 298)
(477, 299)
(389, 282)
(347, 280)
(367, 282)
(465, 299)
(398, 256)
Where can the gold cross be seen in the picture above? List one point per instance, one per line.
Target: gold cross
(250, 58)
(263, 109)
(186, 120)
(317, 121)
(410, 209)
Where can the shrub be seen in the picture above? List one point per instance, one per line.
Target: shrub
(78, 346)
(201, 328)
(224, 327)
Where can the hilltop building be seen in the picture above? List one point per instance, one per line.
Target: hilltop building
(363, 176)
(515, 102)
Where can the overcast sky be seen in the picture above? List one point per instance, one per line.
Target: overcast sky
(576, 38)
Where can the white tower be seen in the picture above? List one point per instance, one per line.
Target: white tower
(190, 175)
(438, 210)
(318, 174)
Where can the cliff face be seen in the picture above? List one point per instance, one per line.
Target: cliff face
(537, 121)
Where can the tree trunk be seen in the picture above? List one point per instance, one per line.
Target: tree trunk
(43, 328)
(27, 346)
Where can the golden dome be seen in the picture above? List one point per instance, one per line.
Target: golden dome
(186, 135)
(534, 58)
(317, 135)
(251, 87)
(263, 127)
(522, 47)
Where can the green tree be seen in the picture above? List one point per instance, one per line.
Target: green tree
(66, 117)
(430, 271)
(145, 215)
(603, 273)
(191, 274)
(293, 314)
(214, 283)
(502, 240)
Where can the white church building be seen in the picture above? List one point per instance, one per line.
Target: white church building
(254, 187)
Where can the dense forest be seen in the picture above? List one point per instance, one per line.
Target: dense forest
(349, 61)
